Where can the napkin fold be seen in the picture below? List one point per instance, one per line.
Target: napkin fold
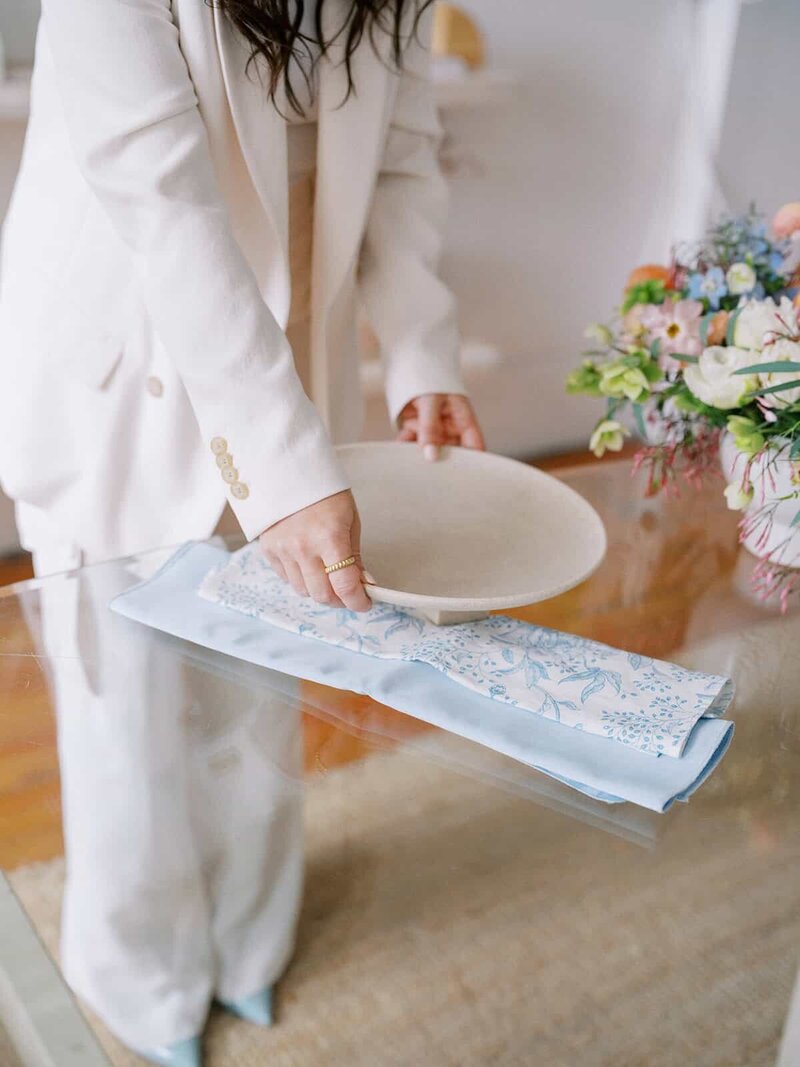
(593, 764)
(645, 703)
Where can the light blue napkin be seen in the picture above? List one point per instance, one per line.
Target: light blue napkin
(597, 766)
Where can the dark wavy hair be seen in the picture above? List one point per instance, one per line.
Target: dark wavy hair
(272, 31)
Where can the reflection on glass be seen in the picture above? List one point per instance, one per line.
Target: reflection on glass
(182, 802)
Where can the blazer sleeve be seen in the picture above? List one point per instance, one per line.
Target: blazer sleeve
(410, 309)
(140, 141)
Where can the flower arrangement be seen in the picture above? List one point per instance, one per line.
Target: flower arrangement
(709, 347)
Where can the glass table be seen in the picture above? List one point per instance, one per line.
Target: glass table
(170, 818)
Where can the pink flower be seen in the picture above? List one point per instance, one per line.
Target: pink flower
(787, 220)
(677, 326)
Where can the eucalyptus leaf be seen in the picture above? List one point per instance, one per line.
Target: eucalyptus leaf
(794, 384)
(776, 367)
(638, 415)
(729, 332)
(705, 323)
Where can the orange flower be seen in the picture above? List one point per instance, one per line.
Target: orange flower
(717, 328)
(649, 272)
(787, 220)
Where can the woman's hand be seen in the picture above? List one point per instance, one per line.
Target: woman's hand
(299, 547)
(440, 419)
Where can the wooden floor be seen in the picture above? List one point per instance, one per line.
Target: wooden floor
(30, 814)
(15, 569)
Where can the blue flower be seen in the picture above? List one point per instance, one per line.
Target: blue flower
(709, 286)
(776, 262)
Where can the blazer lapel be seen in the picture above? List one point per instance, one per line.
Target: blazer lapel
(349, 140)
(261, 135)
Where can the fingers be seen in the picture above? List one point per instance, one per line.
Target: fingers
(347, 583)
(430, 425)
(319, 584)
(464, 423)
(430, 429)
(436, 419)
(355, 540)
(294, 576)
(340, 589)
(299, 547)
(275, 563)
(350, 588)
(473, 438)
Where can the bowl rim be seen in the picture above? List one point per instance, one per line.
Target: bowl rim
(403, 598)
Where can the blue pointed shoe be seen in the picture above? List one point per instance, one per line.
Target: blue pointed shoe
(187, 1053)
(256, 1008)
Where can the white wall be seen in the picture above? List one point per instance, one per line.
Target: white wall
(17, 28)
(11, 135)
(556, 189)
(760, 154)
(542, 239)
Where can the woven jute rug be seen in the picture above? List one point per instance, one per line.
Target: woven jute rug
(449, 924)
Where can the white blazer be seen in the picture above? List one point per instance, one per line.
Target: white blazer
(145, 252)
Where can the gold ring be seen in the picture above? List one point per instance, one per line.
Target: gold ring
(340, 565)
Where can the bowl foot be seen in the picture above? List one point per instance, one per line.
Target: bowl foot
(450, 618)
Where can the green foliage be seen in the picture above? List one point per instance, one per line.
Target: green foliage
(746, 434)
(650, 292)
(585, 379)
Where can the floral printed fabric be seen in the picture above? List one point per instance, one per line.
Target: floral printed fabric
(647, 704)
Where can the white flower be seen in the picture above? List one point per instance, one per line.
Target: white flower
(600, 334)
(739, 496)
(713, 379)
(758, 321)
(782, 350)
(608, 436)
(741, 279)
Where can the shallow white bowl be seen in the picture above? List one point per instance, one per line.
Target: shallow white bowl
(470, 533)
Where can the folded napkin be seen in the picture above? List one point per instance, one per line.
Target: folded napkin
(595, 765)
(645, 703)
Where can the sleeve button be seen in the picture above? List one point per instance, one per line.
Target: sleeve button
(240, 491)
(219, 445)
(224, 460)
(230, 475)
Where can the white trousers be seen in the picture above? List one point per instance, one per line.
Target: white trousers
(181, 788)
(182, 806)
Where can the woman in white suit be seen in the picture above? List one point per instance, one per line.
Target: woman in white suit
(208, 194)
(147, 301)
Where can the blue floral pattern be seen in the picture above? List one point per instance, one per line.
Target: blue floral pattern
(634, 700)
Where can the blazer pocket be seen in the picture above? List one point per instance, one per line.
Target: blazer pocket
(91, 305)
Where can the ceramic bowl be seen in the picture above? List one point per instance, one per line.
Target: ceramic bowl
(470, 533)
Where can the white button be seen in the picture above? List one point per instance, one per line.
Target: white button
(230, 474)
(155, 386)
(240, 491)
(225, 460)
(219, 445)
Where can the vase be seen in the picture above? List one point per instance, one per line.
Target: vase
(767, 531)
